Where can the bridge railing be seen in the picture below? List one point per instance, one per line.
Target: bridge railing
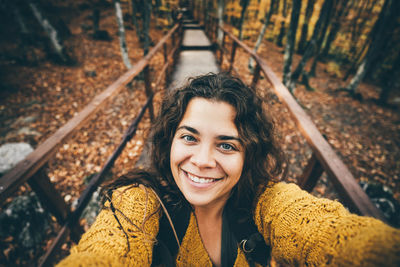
(323, 157)
(31, 169)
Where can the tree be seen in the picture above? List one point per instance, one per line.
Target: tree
(390, 81)
(20, 20)
(262, 31)
(325, 23)
(52, 34)
(342, 10)
(142, 22)
(97, 33)
(282, 29)
(359, 22)
(304, 28)
(220, 13)
(121, 34)
(146, 26)
(310, 47)
(244, 4)
(291, 40)
(358, 26)
(387, 13)
(135, 21)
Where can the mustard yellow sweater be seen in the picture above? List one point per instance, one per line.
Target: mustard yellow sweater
(301, 229)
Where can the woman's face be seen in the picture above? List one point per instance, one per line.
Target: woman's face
(206, 153)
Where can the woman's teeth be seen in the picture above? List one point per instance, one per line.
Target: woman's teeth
(200, 180)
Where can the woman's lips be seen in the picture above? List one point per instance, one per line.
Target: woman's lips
(200, 180)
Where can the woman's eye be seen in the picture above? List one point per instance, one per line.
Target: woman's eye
(188, 138)
(227, 147)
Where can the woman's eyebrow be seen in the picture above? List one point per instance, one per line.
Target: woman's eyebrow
(219, 137)
(228, 137)
(190, 129)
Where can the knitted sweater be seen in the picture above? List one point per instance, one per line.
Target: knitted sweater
(301, 229)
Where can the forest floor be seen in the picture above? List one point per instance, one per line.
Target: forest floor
(36, 100)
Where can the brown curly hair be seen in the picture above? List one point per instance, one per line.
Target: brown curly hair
(263, 157)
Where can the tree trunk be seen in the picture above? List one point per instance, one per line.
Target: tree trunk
(121, 34)
(52, 33)
(205, 12)
(244, 4)
(262, 32)
(341, 11)
(327, 18)
(376, 44)
(304, 28)
(310, 47)
(359, 23)
(135, 21)
(291, 41)
(20, 20)
(390, 81)
(146, 27)
(282, 29)
(220, 20)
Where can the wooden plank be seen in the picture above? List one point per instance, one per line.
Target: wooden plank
(11, 181)
(311, 174)
(344, 182)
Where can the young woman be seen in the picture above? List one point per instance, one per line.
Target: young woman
(215, 169)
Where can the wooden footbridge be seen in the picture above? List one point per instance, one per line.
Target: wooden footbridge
(191, 52)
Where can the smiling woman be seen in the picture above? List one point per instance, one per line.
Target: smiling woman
(214, 180)
(206, 154)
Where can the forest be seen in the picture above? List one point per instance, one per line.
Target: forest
(339, 59)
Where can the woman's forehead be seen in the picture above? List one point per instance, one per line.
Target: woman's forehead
(206, 113)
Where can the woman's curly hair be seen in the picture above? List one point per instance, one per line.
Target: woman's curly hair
(263, 157)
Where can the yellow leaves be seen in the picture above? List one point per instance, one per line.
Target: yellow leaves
(334, 69)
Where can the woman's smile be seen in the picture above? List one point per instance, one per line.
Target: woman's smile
(200, 180)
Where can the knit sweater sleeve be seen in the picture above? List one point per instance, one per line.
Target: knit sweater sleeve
(106, 242)
(303, 230)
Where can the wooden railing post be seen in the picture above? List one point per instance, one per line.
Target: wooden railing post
(149, 90)
(166, 62)
(221, 49)
(256, 76)
(311, 174)
(49, 196)
(233, 53)
(52, 200)
(165, 48)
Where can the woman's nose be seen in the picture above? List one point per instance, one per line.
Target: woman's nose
(203, 157)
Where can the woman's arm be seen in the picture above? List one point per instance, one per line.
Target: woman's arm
(105, 243)
(307, 231)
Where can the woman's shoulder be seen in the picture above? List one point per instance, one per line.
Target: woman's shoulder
(133, 196)
(282, 193)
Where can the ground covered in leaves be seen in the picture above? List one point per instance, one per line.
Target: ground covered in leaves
(37, 100)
